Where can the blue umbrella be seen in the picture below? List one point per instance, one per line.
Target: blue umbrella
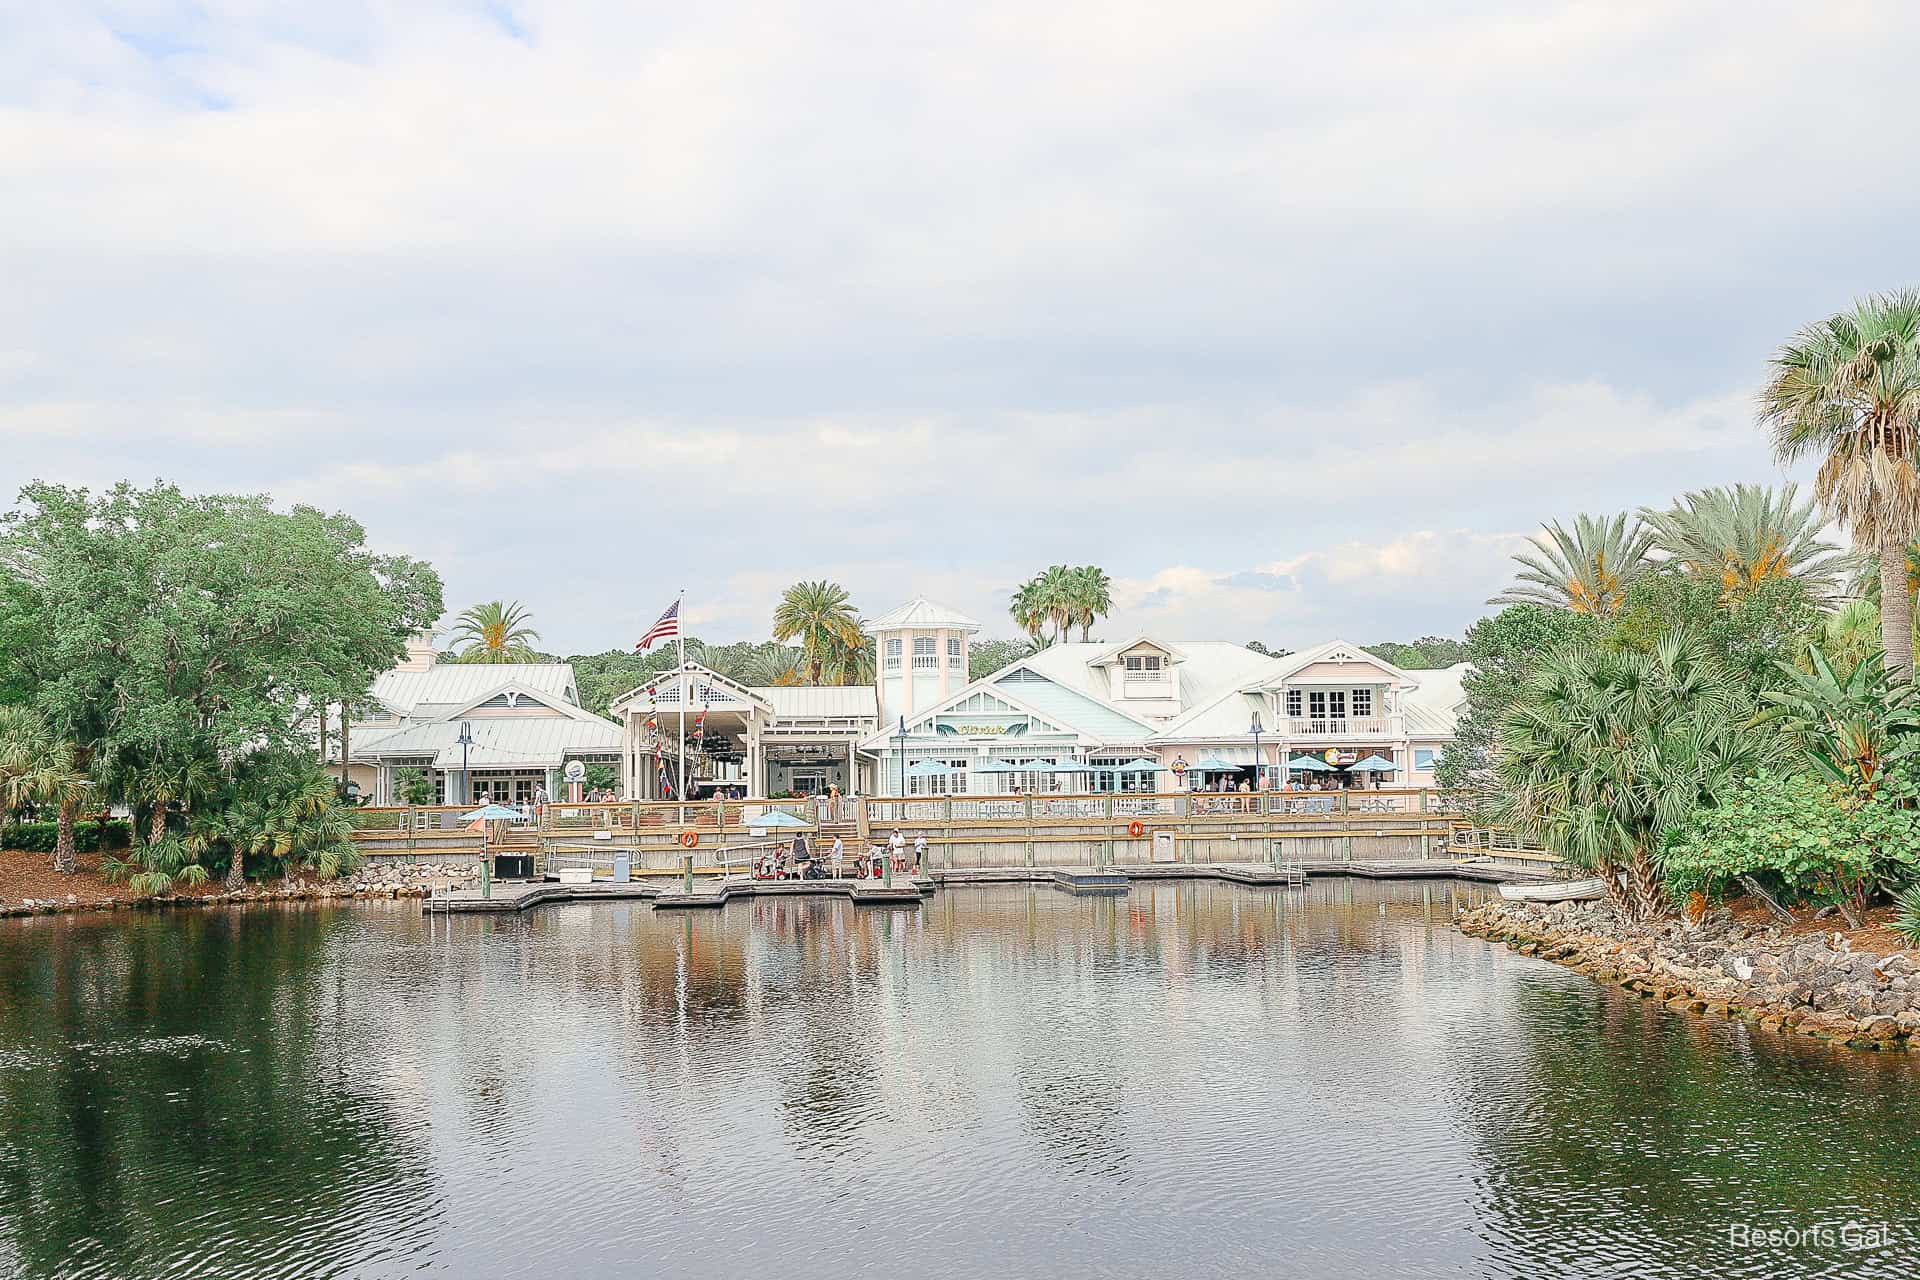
(1213, 764)
(997, 766)
(1314, 763)
(778, 818)
(492, 813)
(931, 769)
(1374, 764)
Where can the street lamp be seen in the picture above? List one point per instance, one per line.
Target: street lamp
(466, 778)
(1259, 765)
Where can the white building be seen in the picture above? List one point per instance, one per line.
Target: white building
(1147, 714)
(524, 722)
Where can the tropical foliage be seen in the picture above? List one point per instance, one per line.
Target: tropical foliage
(1849, 730)
(1797, 837)
(1428, 653)
(165, 640)
(494, 632)
(38, 768)
(1846, 391)
(1586, 569)
(820, 616)
(1605, 749)
(1049, 605)
(1746, 535)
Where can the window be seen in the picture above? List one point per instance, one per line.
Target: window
(924, 657)
(945, 784)
(893, 654)
(956, 653)
(1426, 758)
(1144, 670)
(1294, 700)
(1363, 702)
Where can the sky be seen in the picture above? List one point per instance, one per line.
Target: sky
(1296, 318)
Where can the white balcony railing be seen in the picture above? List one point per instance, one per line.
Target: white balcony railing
(1336, 726)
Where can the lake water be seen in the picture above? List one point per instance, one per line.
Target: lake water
(1193, 1080)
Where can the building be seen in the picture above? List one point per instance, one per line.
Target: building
(524, 723)
(1147, 714)
(750, 740)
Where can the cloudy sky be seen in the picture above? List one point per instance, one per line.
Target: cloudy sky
(1295, 317)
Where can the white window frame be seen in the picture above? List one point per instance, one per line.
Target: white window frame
(1431, 762)
(926, 657)
(893, 653)
(1296, 704)
(956, 652)
(1363, 704)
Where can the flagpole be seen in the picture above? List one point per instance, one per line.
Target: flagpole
(686, 689)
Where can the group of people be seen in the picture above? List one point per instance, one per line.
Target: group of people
(797, 862)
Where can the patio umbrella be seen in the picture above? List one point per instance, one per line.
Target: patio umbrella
(997, 766)
(1131, 766)
(779, 818)
(930, 769)
(1314, 763)
(491, 813)
(1213, 764)
(1374, 764)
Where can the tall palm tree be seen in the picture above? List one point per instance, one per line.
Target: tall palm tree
(851, 661)
(1603, 750)
(1056, 598)
(1847, 391)
(1092, 596)
(1587, 570)
(38, 767)
(1028, 612)
(820, 616)
(1745, 535)
(495, 632)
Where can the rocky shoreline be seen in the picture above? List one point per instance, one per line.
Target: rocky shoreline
(398, 881)
(1811, 984)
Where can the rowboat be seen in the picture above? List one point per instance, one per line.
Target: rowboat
(1560, 891)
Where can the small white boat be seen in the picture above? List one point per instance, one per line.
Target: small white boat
(1558, 891)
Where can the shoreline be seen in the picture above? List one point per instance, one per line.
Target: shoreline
(1801, 982)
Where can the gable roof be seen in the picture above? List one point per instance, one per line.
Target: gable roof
(819, 702)
(1071, 710)
(533, 742)
(445, 683)
(1434, 708)
(1113, 652)
(925, 614)
(701, 675)
(1335, 651)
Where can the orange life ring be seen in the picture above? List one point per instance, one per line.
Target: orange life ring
(1136, 829)
(688, 839)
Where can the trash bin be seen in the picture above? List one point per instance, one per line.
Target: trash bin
(622, 867)
(513, 866)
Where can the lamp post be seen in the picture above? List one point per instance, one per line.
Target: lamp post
(466, 778)
(1259, 765)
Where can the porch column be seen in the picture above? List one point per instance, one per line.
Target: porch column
(853, 768)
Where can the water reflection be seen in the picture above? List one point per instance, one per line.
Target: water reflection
(1192, 1079)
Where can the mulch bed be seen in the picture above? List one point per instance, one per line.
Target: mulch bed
(24, 874)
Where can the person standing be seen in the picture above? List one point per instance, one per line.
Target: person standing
(839, 852)
(799, 854)
(919, 851)
(898, 847)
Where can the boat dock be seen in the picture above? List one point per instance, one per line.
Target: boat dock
(910, 890)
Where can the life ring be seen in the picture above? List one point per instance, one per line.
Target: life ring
(1136, 829)
(688, 839)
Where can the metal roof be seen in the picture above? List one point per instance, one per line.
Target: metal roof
(540, 742)
(464, 683)
(925, 615)
(820, 702)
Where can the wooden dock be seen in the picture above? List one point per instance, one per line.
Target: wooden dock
(909, 890)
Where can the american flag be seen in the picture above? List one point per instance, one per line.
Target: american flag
(666, 629)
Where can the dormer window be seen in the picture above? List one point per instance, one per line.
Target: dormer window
(1145, 670)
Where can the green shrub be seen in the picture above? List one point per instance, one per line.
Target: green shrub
(1906, 915)
(39, 837)
(1820, 840)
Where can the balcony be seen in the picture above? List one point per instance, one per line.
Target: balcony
(1336, 726)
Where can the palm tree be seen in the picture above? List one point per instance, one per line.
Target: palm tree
(851, 661)
(1029, 614)
(1587, 570)
(495, 632)
(37, 767)
(1092, 597)
(1847, 637)
(1056, 598)
(820, 616)
(1605, 749)
(1745, 535)
(1847, 390)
